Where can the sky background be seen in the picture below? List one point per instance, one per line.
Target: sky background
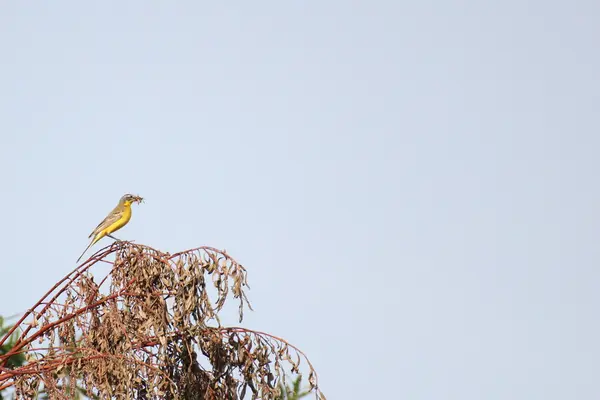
(412, 186)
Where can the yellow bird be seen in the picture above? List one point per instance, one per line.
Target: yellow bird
(118, 218)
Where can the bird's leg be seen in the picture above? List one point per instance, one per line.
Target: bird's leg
(114, 238)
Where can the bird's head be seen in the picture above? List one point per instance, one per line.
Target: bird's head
(131, 198)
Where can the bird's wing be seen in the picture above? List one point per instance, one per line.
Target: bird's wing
(108, 221)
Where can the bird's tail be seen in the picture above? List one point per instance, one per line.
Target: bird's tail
(86, 249)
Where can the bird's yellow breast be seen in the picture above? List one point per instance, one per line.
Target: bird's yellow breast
(121, 222)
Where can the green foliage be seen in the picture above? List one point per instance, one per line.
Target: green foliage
(293, 391)
(18, 359)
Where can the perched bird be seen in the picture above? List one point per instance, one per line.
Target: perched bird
(118, 218)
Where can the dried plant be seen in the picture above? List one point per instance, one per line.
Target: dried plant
(148, 329)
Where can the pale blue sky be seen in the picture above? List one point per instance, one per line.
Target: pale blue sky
(411, 185)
